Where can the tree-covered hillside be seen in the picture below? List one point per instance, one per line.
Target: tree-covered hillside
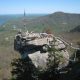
(76, 29)
(57, 21)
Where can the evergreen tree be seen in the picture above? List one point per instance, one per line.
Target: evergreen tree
(23, 69)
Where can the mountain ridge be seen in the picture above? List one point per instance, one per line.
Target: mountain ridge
(58, 22)
(76, 29)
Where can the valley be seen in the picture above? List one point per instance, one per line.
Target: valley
(60, 23)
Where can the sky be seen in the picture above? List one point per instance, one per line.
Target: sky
(39, 6)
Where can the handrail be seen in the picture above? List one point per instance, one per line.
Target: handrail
(67, 43)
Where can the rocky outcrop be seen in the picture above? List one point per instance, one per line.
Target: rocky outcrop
(40, 59)
(36, 45)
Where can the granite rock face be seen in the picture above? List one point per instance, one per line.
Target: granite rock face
(35, 46)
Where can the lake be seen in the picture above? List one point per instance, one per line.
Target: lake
(5, 18)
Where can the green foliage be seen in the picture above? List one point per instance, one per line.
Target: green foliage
(23, 69)
(52, 56)
(54, 21)
(58, 22)
(76, 29)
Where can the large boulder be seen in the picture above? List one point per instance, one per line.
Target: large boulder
(35, 46)
(41, 59)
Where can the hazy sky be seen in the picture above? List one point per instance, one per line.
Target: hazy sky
(39, 6)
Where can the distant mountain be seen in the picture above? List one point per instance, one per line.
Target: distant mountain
(58, 22)
(76, 29)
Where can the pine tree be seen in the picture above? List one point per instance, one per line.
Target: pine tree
(23, 69)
